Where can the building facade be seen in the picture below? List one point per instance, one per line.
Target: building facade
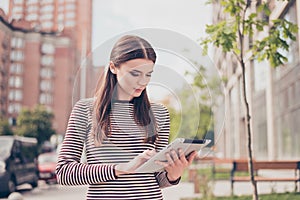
(42, 47)
(274, 96)
(37, 68)
(55, 16)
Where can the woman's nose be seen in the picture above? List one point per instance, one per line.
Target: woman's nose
(144, 80)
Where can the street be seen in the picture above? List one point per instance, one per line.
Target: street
(183, 189)
(58, 192)
(50, 192)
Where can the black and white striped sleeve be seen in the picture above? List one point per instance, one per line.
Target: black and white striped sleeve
(69, 170)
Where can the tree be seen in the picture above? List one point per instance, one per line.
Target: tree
(194, 120)
(35, 123)
(5, 129)
(241, 24)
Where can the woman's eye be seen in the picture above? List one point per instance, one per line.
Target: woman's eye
(149, 75)
(134, 73)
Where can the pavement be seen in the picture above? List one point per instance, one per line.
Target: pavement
(222, 188)
(178, 192)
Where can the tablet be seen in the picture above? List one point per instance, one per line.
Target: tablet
(187, 145)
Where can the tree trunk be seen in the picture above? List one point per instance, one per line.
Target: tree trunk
(249, 135)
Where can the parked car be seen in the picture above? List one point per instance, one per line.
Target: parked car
(18, 163)
(46, 165)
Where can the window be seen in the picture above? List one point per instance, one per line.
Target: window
(70, 23)
(70, 15)
(18, 1)
(260, 74)
(70, 7)
(46, 1)
(15, 95)
(60, 17)
(15, 81)
(14, 108)
(32, 8)
(47, 24)
(32, 17)
(48, 48)
(61, 9)
(45, 85)
(16, 55)
(293, 54)
(46, 73)
(45, 98)
(16, 68)
(47, 8)
(17, 9)
(46, 16)
(47, 60)
(31, 1)
(17, 16)
(17, 42)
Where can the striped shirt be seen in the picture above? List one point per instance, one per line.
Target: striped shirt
(124, 143)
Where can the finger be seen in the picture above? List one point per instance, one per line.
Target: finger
(145, 155)
(192, 157)
(161, 163)
(169, 159)
(174, 156)
(182, 156)
(150, 152)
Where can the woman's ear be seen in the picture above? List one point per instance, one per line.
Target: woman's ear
(112, 67)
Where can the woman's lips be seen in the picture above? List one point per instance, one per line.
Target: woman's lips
(139, 90)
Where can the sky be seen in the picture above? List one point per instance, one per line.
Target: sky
(112, 17)
(172, 26)
(187, 17)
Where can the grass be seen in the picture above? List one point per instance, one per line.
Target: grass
(220, 173)
(281, 196)
(207, 175)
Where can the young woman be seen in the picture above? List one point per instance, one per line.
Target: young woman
(120, 130)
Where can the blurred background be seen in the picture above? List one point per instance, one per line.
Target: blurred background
(51, 56)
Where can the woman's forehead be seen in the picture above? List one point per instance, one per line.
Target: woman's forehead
(138, 64)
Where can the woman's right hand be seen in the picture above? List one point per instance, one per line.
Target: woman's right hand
(131, 166)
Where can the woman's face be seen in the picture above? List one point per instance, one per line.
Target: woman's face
(133, 76)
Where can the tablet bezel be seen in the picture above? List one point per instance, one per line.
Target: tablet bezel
(187, 145)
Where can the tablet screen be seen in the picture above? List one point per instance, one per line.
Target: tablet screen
(187, 145)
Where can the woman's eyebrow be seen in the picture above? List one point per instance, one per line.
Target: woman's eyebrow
(135, 70)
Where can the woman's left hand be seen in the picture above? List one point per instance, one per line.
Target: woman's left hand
(176, 163)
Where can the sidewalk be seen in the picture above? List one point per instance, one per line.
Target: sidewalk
(222, 188)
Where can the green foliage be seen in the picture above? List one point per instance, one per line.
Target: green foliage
(35, 123)
(229, 34)
(221, 35)
(175, 120)
(5, 128)
(195, 119)
(241, 23)
(271, 46)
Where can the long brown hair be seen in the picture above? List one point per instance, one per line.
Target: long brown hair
(126, 48)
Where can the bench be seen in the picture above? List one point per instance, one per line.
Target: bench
(207, 162)
(242, 166)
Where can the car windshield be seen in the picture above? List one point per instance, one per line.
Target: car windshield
(46, 158)
(5, 147)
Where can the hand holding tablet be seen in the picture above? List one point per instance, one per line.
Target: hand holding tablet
(187, 146)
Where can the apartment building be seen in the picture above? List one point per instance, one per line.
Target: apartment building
(274, 96)
(42, 47)
(55, 16)
(36, 68)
